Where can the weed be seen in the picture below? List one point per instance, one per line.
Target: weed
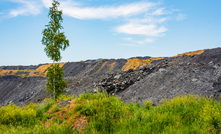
(107, 114)
(67, 105)
(46, 116)
(147, 104)
(55, 108)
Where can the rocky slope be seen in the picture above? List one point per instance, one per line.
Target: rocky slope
(199, 75)
(135, 79)
(25, 84)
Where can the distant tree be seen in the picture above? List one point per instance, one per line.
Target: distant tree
(54, 40)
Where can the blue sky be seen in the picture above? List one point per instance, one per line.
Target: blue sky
(109, 28)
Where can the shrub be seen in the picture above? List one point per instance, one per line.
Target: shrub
(46, 116)
(44, 107)
(55, 108)
(13, 114)
(147, 104)
(107, 114)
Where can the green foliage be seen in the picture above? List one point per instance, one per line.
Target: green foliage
(183, 114)
(55, 80)
(55, 128)
(13, 114)
(55, 109)
(62, 97)
(46, 116)
(147, 104)
(53, 38)
(107, 114)
(30, 119)
(44, 107)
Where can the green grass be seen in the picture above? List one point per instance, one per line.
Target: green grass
(55, 109)
(107, 114)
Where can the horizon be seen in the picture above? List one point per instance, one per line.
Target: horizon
(106, 59)
(109, 29)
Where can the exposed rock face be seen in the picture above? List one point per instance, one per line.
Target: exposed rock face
(175, 80)
(118, 82)
(163, 78)
(200, 75)
(80, 77)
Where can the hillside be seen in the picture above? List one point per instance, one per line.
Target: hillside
(134, 79)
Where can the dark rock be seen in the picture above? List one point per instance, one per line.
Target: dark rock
(142, 68)
(166, 78)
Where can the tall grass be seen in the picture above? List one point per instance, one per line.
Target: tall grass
(107, 114)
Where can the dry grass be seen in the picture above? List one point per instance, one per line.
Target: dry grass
(157, 58)
(8, 72)
(40, 71)
(43, 68)
(112, 66)
(198, 52)
(60, 65)
(134, 63)
(99, 70)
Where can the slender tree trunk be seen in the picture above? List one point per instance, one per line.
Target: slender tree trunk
(54, 78)
(54, 68)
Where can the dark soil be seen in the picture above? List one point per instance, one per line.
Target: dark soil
(162, 79)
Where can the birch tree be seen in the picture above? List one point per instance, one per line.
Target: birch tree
(54, 41)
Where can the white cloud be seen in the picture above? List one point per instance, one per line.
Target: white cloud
(142, 18)
(128, 39)
(149, 19)
(105, 12)
(181, 17)
(160, 11)
(63, 4)
(47, 3)
(147, 40)
(28, 7)
(141, 29)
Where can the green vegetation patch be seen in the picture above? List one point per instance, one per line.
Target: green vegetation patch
(107, 114)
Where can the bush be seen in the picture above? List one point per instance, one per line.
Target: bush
(44, 107)
(55, 108)
(147, 104)
(107, 114)
(13, 114)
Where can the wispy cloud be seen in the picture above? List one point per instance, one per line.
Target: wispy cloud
(140, 29)
(105, 12)
(128, 39)
(147, 40)
(181, 17)
(142, 18)
(27, 7)
(47, 3)
(161, 11)
(146, 19)
(137, 43)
